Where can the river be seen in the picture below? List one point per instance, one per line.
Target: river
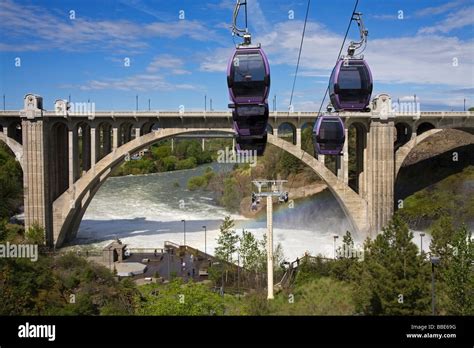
(147, 210)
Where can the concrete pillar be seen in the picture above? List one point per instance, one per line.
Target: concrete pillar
(381, 173)
(95, 142)
(298, 137)
(73, 156)
(137, 132)
(172, 145)
(115, 138)
(275, 131)
(36, 186)
(342, 162)
(203, 143)
(86, 148)
(321, 158)
(233, 144)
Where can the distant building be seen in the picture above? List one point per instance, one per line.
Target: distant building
(113, 252)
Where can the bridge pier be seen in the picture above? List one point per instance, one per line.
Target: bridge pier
(37, 200)
(298, 137)
(73, 156)
(342, 162)
(381, 173)
(115, 138)
(95, 143)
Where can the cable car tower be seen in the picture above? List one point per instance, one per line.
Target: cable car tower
(270, 189)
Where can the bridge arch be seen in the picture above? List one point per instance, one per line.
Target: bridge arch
(70, 207)
(287, 131)
(269, 129)
(14, 146)
(59, 160)
(403, 132)
(357, 154)
(424, 127)
(435, 168)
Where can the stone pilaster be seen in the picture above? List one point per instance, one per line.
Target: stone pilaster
(380, 172)
(298, 137)
(36, 196)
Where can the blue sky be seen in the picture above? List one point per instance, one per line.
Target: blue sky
(176, 62)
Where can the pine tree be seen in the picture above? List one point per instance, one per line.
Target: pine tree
(393, 280)
(459, 275)
(227, 240)
(226, 245)
(249, 252)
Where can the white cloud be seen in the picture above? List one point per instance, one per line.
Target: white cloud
(436, 10)
(456, 20)
(215, 61)
(156, 77)
(45, 30)
(139, 82)
(168, 63)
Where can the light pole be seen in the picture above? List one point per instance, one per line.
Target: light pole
(335, 237)
(434, 262)
(421, 242)
(238, 271)
(168, 257)
(184, 230)
(205, 240)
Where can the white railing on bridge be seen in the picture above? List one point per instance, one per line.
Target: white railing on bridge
(227, 114)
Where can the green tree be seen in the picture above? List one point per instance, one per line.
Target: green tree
(35, 234)
(196, 182)
(231, 197)
(227, 240)
(11, 186)
(442, 233)
(177, 298)
(250, 254)
(169, 163)
(459, 274)
(161, 152)
(393, 278)
(347, 265)
(188, 163)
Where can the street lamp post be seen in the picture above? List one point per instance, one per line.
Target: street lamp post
(205, 239)
(168, 257)
(184, 230)
(335, 237)
(421, 242)
(238, 272)
(434, 262)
